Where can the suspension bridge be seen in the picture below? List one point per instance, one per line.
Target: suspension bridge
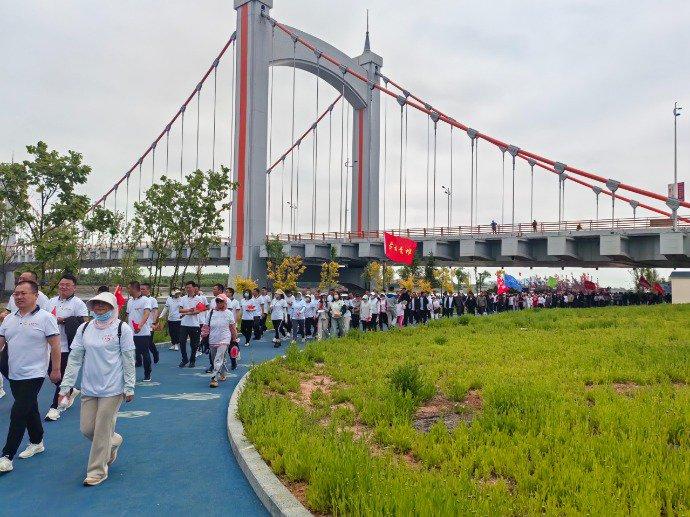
(328, 188)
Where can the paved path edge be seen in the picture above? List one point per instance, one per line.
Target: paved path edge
(277, 499)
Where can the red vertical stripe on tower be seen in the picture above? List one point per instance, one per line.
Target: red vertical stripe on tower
(242, 137)
(360, 167)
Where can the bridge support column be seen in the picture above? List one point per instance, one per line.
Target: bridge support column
(6, 280)
(251, 121)
(365, 150)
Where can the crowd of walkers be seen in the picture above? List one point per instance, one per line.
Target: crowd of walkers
(108, 337)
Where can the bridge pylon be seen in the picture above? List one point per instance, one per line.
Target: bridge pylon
(260, 45)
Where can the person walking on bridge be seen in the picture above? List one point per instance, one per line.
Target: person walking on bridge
(103, 349)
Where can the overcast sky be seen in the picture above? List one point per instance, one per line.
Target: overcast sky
(590, 84)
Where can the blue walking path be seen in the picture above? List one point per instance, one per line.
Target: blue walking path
(175, 460)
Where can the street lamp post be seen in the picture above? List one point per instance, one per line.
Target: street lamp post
(448, 193)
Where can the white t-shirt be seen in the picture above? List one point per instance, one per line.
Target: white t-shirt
(153, 303)
(278, 309)
(399, 309)
(102, 373)
(43, 302)
(298, 309)
(310, 309)
(72, 306)
(219, 333)
(250, 309)
(190, 302)
(173, 306)
(27, 343)
(234, 305)
(135, 313)
(265, 302)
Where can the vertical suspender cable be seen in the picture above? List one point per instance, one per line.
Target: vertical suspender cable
(435, 139)
(295, 207)
(400, 181)
(153, 164)
(476, 182)
(368, 155)
(428, 154)
(503, 185)
(198, 119)
(215, 95)
(315, 147)
(140, 178)
(385, 153)
(531, 191)
(450, 218)
(512, 222)
(347, 167)
(292, 133)
(406, 133)
(182, 143)
(471, 183)
(270, 133)
(342, 149)
(330, 143)
(127, 203)
(232, 133)
(167, 149)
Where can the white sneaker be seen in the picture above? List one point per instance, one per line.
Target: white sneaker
(5, 464)
(174, 347)
(73, 397)
(33, 448)
(53, 415)
(198, 353)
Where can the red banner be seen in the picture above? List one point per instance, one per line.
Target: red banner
(658, 289)
(399, 249)
(644, 283)
(589, 285)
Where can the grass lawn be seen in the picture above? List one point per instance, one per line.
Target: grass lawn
(540, 411)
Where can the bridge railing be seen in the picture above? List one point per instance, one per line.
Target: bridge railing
(488, 229)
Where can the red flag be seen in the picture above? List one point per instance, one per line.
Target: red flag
(54, 312)
(201, 306)
(589, 285)
(644, 283)
(658, 289)
(118, 296)
(500, 285)
(399, 249)
(136, 326)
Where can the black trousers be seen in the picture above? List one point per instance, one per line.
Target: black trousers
(24, 415)
(383, 318)
(408, 318)
(257, 328)
(193, 333)
(174, 331)
(278, 328)
(141, 344)
(153, 349)
(310, 326)
(64, 356)
(354, 321)
(246, 329)
(373, 322)
(263, 323)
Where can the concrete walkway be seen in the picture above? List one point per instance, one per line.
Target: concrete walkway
(175, 460)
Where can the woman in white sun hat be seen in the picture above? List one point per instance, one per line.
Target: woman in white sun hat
(104, 350)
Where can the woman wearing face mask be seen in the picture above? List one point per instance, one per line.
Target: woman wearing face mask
(250, 310)
(103, 349)
(297, 314)
(278, 314)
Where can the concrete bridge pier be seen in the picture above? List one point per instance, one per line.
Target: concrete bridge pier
(7, 280)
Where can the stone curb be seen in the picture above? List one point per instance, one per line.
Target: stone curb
(277, 499)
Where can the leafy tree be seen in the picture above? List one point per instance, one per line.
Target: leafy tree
(430, 272)
(330, 273)
(243, 284)
(444, 277)
(413, 270)
(650, 273)
(285, 275)
(57, 223)
(9, 227)
(462, 278)
(480, 278)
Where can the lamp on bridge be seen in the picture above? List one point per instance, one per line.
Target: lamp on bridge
(447, 192)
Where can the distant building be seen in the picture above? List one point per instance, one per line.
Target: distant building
(680, 286)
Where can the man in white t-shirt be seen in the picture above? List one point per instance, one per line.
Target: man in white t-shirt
(70, 312)
(153, 307)
(265, 300)
(138, 317)
(171, 313)
(43, 301)
(32, 338)
(191, 305)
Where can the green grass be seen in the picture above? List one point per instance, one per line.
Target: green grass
(553, 436)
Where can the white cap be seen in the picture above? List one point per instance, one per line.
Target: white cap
(108, 298)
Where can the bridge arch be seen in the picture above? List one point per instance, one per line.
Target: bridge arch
(261, 44)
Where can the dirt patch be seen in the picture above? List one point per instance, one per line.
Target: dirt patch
(625, 388)
(310, 385)
(494, 479)
(680, 384)
(299, 490)
(441, 408)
